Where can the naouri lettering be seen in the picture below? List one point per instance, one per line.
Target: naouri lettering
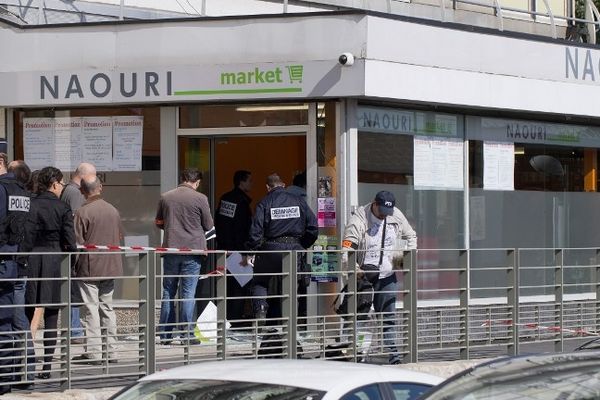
(101, 85)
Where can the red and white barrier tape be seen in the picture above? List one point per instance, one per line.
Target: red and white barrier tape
(211, 234)
(509, 322)
(139, 248)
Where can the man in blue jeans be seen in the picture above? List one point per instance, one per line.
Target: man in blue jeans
(379, 233)
(184, 216)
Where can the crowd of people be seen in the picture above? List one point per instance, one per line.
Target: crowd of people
(40, 213)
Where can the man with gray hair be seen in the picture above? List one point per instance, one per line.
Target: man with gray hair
(97, 222)
(73, 197)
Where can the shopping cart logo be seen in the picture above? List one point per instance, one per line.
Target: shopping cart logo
(295, 73)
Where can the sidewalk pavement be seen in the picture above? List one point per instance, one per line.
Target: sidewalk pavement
(443, 368)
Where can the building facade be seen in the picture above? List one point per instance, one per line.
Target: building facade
(488, 139)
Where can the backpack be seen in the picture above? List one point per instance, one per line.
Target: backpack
(364, 300)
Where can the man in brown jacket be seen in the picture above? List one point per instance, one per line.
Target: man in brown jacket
(184, 215)
(97, 222)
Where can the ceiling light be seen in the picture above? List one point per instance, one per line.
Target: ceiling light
(281, 107)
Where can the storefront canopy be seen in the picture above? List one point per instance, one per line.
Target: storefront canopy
(295, 57)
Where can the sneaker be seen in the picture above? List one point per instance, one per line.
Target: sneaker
(189, 341)
(83, 359)
(395, 361)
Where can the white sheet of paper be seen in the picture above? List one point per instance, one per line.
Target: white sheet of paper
(498, 166)
(242, 274)
(438, 163)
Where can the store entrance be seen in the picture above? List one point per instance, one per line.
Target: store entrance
(218, 158)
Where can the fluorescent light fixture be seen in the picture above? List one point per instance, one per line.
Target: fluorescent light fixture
(520, 150)
(281, 107)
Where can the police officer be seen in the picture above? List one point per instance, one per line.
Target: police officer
(232, 221)
(14, 212)
(282, 221)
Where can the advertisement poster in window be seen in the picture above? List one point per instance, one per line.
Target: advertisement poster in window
(324, 263)
(326, 212)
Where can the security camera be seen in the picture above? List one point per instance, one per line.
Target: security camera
(346, 59)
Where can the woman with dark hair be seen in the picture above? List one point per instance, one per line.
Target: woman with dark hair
(52, 231)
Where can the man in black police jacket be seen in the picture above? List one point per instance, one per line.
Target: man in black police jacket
(14, 212)
(282, 221)
(232, 221)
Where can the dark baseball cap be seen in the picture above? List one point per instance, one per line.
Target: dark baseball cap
(386, 202)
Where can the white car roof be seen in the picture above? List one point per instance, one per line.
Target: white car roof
(328, 376)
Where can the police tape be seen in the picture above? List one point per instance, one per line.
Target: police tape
(556, 329)
(140, 248)
(210, 234)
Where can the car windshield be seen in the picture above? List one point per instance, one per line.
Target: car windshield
(215, 390)
(548, 380)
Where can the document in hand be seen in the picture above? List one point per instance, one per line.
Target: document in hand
(241, 273)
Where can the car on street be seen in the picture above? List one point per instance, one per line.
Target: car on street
(561, 376)
(281, 379)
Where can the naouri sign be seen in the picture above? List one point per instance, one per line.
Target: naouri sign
(176, 84)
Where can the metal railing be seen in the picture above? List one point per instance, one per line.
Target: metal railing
(450, 304)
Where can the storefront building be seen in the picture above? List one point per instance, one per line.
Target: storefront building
(488, 140)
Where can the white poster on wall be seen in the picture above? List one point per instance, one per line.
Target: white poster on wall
(67, 143)
(38, 142)
(97, 142)
(438, 163)
(127, 141)
(498, 166)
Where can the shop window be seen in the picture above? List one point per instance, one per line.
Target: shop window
(242, 115)
(538, 167)
(134, 192)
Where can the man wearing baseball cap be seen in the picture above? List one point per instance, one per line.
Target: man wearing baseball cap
(380, 233)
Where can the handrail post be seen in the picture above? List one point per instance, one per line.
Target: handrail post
(352, 303)
(558, 297)
(410, 304)
(65, 322)
(512, 295)
(463, 282)
(442, 11)
(499, 14)
(552, 22)
(289, 304)
(596, 277)
(221, 303)
(147, 281)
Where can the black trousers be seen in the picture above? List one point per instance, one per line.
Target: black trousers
(8, 270)
(270, 263)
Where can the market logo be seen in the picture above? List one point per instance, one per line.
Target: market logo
(255, 80)
(524, 132)
(100, 85)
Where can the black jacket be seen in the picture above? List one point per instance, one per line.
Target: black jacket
(51, 224)
(15, 203)
(232, 220)
(282, 214)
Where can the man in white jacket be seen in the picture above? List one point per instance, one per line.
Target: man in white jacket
(379, 232)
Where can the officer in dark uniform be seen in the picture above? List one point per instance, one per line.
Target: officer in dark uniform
(14, 213)
(232, 221)
(282, 221)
